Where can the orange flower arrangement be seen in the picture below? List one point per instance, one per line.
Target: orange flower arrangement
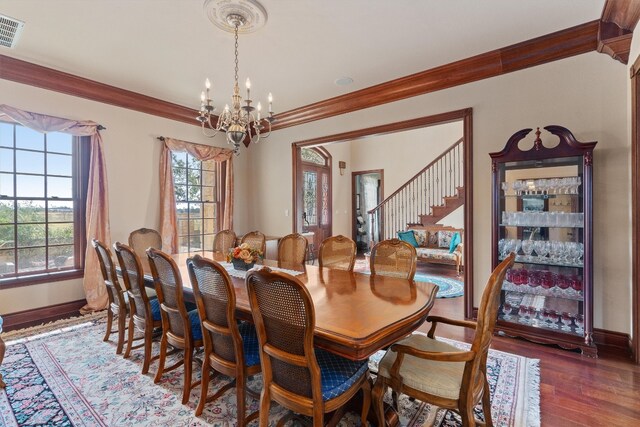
(244, 252)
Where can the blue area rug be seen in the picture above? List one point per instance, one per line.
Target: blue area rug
(447, 287)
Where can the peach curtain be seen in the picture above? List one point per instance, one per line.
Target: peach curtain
(97, 207)
(168, 215)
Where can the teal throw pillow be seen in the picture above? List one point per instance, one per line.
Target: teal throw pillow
(409, 237)
(455, 241)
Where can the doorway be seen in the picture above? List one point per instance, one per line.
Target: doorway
(368, 192)
(313, 204)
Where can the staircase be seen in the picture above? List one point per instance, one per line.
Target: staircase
(432, 194)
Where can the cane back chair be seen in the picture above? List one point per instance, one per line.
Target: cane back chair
(256, 239)
(144, 313)
(304, 379)
(436, 372)
(224, 240)
(141, 240)
(118, 298)
(292, 250)
(230, 348)
(337, 252)
(395, 258)
(180, 329)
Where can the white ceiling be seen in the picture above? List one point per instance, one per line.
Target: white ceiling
(166, 48)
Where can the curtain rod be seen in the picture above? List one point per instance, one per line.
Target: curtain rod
(100, 127)
(160, 138)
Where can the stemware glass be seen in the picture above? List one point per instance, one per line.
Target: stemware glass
(566, 320)
(506, 310)
(527, 249)
(554, 317)
(579, 323)
(517, 245)
(523, 313)
(501, 250)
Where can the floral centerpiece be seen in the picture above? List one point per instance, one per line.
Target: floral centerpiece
(244, 256)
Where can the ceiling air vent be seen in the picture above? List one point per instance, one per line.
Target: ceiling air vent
(10, 30)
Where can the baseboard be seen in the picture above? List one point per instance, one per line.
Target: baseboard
(605, 340)
(37, 316)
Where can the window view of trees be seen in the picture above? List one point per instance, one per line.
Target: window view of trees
(196, 202)
(37, 203)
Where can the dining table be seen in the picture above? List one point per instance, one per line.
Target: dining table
(356, 314)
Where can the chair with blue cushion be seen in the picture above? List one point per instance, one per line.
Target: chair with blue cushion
(303, 379)
(180, 329)
(145, 310)
(118, 307)
(230, 348)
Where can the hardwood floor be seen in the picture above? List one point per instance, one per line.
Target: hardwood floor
(575, 390)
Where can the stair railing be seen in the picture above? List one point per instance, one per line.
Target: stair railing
(439, 179)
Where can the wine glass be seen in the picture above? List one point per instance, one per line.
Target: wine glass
(523, 312)
(527, 249)
(506, 310)
(501, 244)
(553, 318)
(505, 187)
(566, 320)
(579, 323)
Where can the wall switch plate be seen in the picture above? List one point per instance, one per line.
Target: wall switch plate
(286, 212)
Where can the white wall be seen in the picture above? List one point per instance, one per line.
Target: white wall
(132, 154)
(586, 93)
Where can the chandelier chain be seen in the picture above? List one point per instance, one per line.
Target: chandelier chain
(236, 47)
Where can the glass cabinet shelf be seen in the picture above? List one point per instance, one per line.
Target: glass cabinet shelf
(523, 259)
(542, 226)
(555, 291)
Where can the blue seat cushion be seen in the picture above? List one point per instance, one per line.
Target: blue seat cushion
(196, 328)
(155, 309)
(249, 344)
(337, 373)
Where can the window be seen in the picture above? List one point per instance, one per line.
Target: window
(42, 193)
(197, 204)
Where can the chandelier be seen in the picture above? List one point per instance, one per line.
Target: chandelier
(239, 122)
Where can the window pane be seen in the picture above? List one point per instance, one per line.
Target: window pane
(60, 142)
(58, 164)
(208, 194)
(61, 256)
(195, 226)
(195, 210)
(179, 175)
(6, 185)
(181, 193)
(209, 165)
(209, 226)
(30, 186)
(60, 211)
(29, 162)
(7, 212)
(312, 156)
(31, 235)
(29, 138)
(209, 178)
(183, 227)
(325, 198)
(32, 259)
(194, 193)
(209, 210)
(195, 243)
(6, 160)
(7, 236)
(310, 197)
(31, 211)
(208, 242)
(193, 162)
(7, 265)
(60, 187)
(179, 159)
(60, 234)
(6, 135)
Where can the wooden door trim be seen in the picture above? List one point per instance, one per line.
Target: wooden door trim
(297, 181)
(353, 193)
(466, 116)
(635, 206)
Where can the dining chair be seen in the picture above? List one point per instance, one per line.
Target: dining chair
(304, 379)
(292, 250)
(337, 252)
(118, 298)
(144, 311)
(395, 258)
(433, 371)
(141, 240)
(180, 329)
(224, 240)
(255, 239)
(230, 347)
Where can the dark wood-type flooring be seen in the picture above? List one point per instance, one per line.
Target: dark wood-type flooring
(575, 390)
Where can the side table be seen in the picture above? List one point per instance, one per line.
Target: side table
(2, 384)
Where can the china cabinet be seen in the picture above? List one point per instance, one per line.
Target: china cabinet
(542, 211)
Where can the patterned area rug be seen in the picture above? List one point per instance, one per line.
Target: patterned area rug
(447, 287)
(70, 377)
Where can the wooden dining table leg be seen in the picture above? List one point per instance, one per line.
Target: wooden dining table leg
(2, 347)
